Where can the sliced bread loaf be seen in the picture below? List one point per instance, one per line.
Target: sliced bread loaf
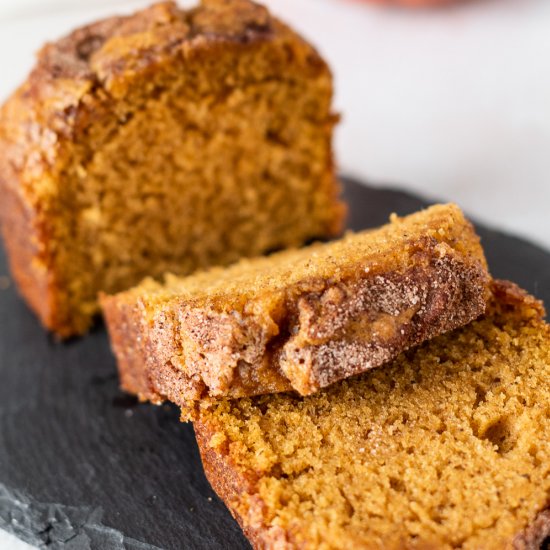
(168, 140)
(299, 319)
(447, 447)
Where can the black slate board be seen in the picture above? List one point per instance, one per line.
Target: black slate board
(84, 466)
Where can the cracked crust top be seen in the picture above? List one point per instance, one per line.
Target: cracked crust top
(105, 58)
(112, 49)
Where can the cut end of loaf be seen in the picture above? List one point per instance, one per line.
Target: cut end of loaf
(166, 141)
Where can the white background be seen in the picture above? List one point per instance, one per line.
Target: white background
(453, 103)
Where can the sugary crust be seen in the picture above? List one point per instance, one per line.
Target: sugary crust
(437, 295)
(237, 486)
(77, 82)
(125, 329)
(315, 333)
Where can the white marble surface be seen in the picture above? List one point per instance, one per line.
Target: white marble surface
(9, 542)
(452, 103)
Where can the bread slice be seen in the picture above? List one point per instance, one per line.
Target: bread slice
(168, 140)
(299, 319)
(447, 447)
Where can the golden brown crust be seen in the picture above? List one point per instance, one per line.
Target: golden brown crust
(23, 246)
(238, 484)
(309, 333)
(82, 80)
(230, 484)
(124, 329)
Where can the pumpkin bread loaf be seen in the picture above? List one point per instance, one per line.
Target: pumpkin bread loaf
(168, 140)
(447, 447)
(299, 319)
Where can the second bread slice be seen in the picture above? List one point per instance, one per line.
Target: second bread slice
(447, 447)
(299, 319)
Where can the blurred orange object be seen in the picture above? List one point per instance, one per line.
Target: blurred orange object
(412, 3)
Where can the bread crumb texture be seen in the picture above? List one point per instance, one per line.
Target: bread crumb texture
(447, 447)
(168, 140)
